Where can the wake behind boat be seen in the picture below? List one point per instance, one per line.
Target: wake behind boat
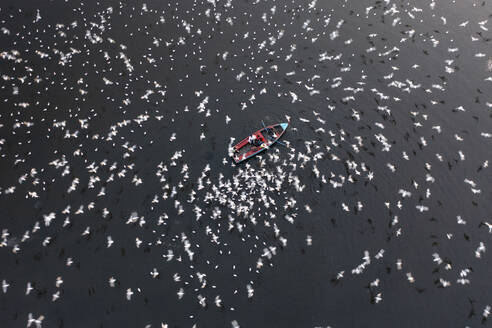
(258, 142)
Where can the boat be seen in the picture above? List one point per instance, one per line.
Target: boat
(265, 138)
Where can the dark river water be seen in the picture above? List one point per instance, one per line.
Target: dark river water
(115, 125)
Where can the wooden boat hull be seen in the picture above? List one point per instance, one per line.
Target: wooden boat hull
(268, 135)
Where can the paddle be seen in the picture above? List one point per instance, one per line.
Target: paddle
(269, 136)
(280, 142)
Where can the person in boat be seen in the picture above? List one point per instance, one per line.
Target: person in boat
(255, 141)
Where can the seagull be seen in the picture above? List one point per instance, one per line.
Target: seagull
(110, 242)
(404, 193)
(250, 290)
(129, 294)
(488, 226)
(87, 231)
(29, 288)
(218, 301)
(309, 240)
(154, 273)
(202, 300)
(37, 321)
(410, 277)
(486, 312)
(460, 220)
(5, 285)
(112, 281)
(58, 282)
(294, 96)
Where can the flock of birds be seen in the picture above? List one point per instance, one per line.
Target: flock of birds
(93, 112)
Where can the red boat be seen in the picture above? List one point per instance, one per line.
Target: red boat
(258, 142)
